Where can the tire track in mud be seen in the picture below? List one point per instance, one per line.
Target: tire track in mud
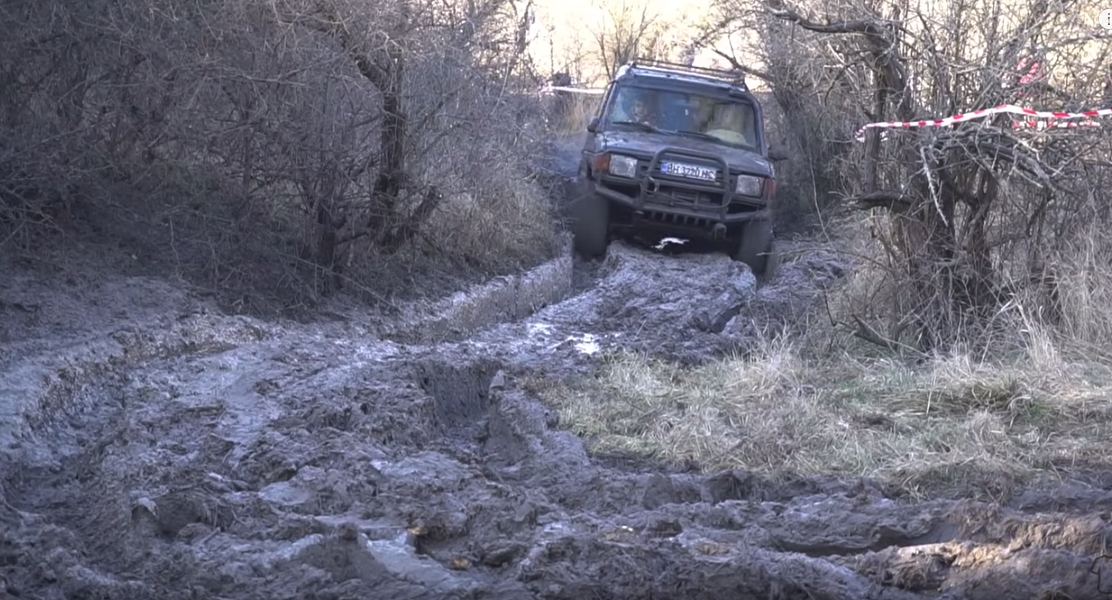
(641, 301)
(314, 464)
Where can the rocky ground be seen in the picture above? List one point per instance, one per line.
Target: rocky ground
(152, 447)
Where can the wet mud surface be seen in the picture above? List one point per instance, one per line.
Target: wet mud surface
(177, 453)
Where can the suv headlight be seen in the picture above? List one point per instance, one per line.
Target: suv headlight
(748, 185)
(623, 166)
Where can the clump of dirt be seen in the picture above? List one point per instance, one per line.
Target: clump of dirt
(800, 278)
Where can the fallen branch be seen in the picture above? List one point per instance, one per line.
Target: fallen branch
(896, 202)
(868, 334)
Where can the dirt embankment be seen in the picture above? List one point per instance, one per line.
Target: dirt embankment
(202, 456)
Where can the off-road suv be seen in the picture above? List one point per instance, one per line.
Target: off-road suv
(677, 151)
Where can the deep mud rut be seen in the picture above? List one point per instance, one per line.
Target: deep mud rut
(195, 455)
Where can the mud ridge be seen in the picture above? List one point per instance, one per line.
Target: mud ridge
(503, 299)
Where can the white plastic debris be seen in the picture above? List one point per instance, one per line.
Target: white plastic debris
(669, 240)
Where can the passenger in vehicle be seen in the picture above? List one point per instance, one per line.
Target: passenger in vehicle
(730, 125)
(703, 112)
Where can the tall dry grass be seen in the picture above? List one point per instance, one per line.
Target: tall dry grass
(570, 114)
(956, 424)
(1025, 403)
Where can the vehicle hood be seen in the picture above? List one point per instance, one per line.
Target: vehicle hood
(645, 144)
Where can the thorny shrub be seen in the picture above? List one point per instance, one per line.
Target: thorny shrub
(273, 151)
(974, 228)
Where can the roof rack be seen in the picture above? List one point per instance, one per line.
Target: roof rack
(732, 76)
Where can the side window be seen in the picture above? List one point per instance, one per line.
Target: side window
(749, 124)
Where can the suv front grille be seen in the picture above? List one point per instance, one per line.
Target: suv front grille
(673, 219)
(689, 197)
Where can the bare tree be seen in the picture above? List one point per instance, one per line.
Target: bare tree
(974, 209)
(627, 29)
(282, 147)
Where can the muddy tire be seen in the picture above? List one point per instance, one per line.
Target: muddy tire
(591, 227)
(755, 247)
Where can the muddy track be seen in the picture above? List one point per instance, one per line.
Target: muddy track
(202, 456)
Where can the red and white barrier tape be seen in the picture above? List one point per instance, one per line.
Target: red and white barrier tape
(553, 88)
(984, 112)
(1051, 116)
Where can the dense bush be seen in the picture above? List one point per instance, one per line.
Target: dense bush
(276, 151)
(973, 229)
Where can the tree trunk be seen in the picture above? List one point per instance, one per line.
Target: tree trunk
(872, 142)
(391, 175)
(326, 245)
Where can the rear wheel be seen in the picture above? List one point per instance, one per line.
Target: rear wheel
(755, 247)
(592, 225)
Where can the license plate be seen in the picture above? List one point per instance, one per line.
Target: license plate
(690, 171)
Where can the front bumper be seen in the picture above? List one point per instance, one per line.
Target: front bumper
(672, 204)
(650, 203)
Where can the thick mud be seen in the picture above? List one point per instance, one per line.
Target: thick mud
(640, 299)
(201, 456)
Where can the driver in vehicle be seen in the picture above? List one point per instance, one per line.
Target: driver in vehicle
(634, 107)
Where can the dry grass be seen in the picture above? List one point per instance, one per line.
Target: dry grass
(495, 216)
(576, 113)
(1085, 285)
(1029, 403)
(503, 228)
(954, 423)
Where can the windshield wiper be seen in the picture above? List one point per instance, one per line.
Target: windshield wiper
(640, 125)
(714, 138)
(698, 134)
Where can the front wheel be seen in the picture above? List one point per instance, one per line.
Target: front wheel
(755, 247)
(592, 225)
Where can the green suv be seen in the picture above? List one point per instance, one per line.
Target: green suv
(677, 151)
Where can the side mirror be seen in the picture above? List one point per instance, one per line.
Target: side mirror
(593, 125)
(777, 152)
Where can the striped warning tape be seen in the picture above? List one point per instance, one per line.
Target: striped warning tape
(554, 88)
(984, 112)
(1050, 117)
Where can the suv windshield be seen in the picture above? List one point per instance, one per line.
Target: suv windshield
(727, 120)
